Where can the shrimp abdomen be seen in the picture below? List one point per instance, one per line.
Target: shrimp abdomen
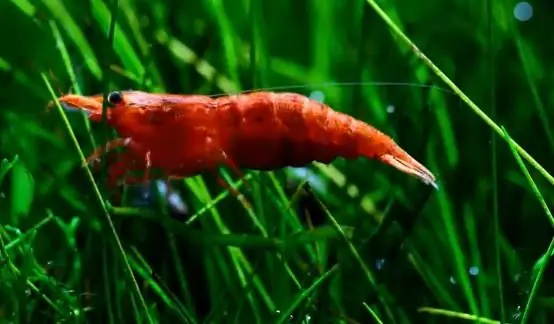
(267, 131)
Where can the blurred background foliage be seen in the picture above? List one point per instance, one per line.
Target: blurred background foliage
(360, 243)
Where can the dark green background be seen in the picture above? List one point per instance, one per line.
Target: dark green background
(59, 260)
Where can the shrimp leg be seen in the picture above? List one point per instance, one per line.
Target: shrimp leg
(117, 173)
(110, 146)
(227, 186)
(117, 170)
(229, 163)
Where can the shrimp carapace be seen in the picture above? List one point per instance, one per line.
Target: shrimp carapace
(185, 135)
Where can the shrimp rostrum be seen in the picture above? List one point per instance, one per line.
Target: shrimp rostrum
(187, 135)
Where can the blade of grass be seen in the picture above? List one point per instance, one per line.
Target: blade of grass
(76, 34)
(228, 38)
(256, 220)
(430, 277)
(5, 258)
(398, 32)
(22, 192)
(459, 259)
(103, 206)
(447, 313)
(25, 6)
(106, 282)
(181, 276)
(185, 54)
(475, 257)
(106, 71)
(294, 241)
(365, 269)
(530, 64)
(60, 44)
(240, 263)
(495, 217)
(550, 249)
(6, 166)
(23, 237)
(373, 314)
(151, 70)
(144, 270)
(121, 44)
(306, 293)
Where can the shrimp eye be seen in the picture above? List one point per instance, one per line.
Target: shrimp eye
(115, 98)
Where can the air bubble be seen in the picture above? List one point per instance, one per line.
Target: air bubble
(175, 200)
(523, 11)
(379, 264)
(317, 96)
(308, 175)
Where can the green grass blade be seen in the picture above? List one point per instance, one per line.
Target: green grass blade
(458, 315)
(6, 166)
(285, 315)
(494, 160)
(22, 192)
(121, 43)
(365, 269)
(457, 90)
(548, 255)
(76, 35)
(98, 195)
(60, 44)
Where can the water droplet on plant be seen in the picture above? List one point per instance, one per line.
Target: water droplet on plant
(474, 271)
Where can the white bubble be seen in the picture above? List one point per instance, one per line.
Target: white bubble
(173, 198)
(379, 264)
(473, 271)
(300, 172)
(523, 11)
(390, 109)
(306, 174)
(317, 96)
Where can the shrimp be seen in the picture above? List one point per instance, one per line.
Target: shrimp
(187, 135)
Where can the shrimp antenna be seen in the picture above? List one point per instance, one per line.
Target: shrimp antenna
(353, 83)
